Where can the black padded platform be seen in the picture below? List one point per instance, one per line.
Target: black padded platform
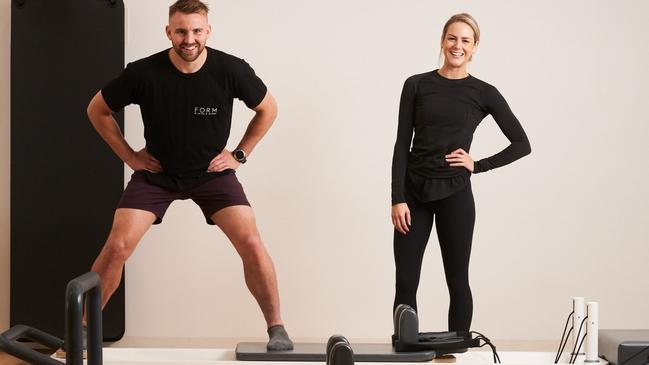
(363, 352)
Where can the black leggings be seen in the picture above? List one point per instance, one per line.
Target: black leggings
(455, 219)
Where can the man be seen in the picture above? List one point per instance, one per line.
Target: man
(185, 95)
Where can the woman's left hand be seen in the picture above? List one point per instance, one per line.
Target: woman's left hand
(459, 157)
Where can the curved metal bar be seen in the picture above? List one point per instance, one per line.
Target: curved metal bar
(9, 344)
(87, 285)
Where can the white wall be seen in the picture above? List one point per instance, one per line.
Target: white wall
(568, 220)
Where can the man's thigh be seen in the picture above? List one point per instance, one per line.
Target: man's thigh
(130, 224)
(237, 222)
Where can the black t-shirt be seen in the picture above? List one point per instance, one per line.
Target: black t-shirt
(186, 117)
(443, 114)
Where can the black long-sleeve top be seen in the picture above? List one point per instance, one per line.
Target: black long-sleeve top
(443, 114)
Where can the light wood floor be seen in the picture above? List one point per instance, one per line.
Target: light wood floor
(6, 359)
(9, 360)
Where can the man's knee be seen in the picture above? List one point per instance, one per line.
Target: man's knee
(251, 248)
(118, 249)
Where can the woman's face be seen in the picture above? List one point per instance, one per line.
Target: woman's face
(458, 45)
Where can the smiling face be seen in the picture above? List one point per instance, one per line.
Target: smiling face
(458, 45)
(188, 34)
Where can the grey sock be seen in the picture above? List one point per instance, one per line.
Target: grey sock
(278, 339)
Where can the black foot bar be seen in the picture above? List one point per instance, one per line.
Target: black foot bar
(339, 351)
(87, 284)
(407, 337)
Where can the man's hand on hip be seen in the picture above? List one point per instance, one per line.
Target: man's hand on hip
(223, 161)
(142, 160)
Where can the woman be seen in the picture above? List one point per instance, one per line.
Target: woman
(431, 180)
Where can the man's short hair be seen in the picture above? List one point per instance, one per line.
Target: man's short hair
(188, 7)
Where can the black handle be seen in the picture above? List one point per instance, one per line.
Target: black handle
(9, 344)
(87, 285)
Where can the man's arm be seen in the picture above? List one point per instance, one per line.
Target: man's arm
(102, 119)
(265, 114)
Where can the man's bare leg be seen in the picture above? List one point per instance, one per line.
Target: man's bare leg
(238, 224)
(129, 225)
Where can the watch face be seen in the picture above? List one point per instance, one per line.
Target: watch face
(239, 155)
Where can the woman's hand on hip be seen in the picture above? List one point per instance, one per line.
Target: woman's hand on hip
(401, 217)
(460, 157)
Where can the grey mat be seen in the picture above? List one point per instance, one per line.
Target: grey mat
(363, 352)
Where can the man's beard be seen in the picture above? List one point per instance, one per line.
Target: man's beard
(189, 58)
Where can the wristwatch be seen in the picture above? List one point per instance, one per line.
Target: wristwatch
(240, 155)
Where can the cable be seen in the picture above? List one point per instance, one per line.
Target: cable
(556, 360)
(563, 335)
(574, 350)
(487, 341)
(579, 348)
(562, 344)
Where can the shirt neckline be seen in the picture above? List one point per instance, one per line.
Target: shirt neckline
(437, 75)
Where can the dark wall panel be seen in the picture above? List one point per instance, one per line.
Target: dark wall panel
(65, 181)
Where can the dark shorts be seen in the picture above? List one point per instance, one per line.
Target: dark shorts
(218, 193)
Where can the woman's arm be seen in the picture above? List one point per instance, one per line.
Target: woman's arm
(510, 126)
(400, 212)
(404, 140)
